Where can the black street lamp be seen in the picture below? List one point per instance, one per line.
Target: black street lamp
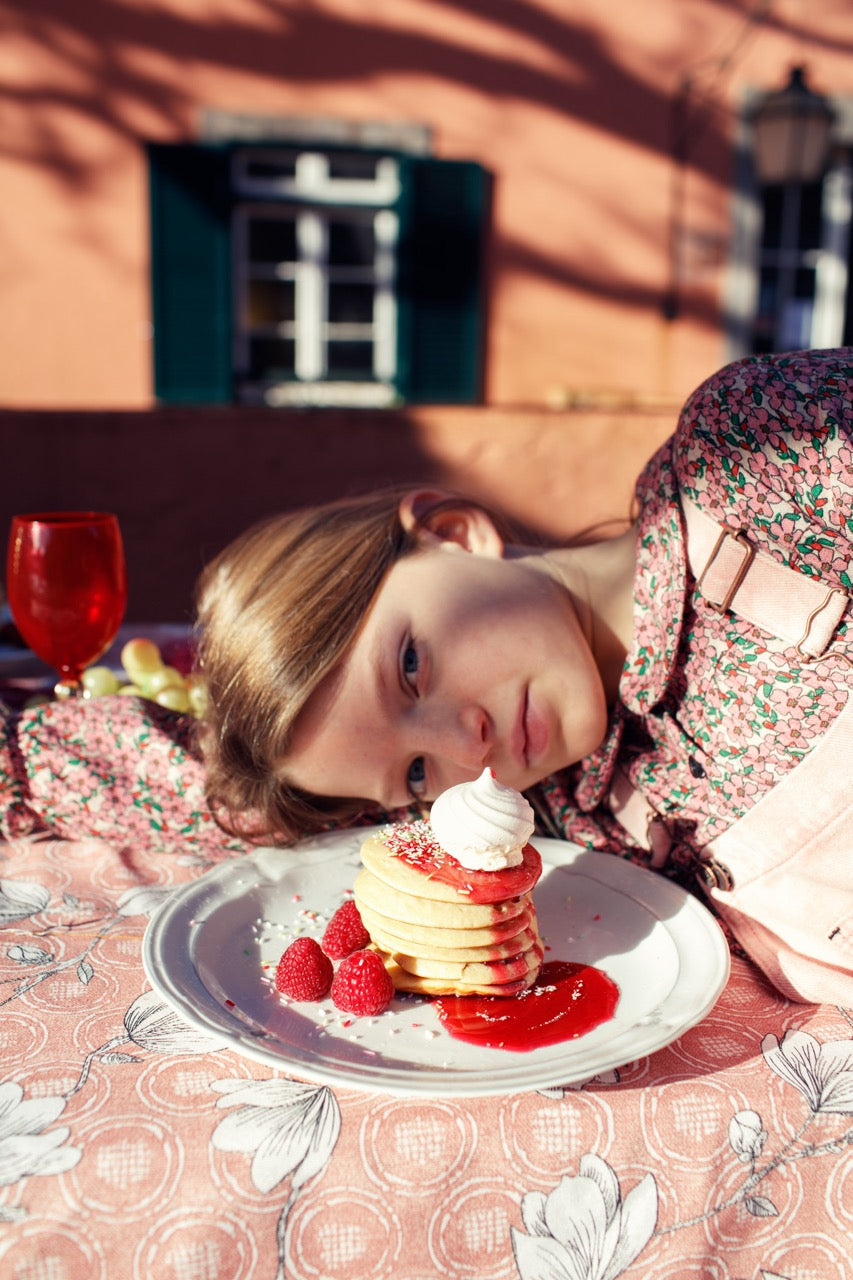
(791, 129)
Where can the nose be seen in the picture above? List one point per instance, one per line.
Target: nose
(462, 737)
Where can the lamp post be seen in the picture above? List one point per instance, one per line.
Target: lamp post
(791, 130)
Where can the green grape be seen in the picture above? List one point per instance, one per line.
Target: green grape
(132, 689)
(165, 678)
(97, 681)
(174, 698)
(197, 691)
(141, 658)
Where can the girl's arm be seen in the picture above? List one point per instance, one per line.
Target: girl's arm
(118, 767)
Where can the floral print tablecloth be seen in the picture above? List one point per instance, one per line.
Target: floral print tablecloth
(133, 1147)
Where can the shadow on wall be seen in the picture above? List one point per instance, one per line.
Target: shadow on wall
(184, 482)
(115, 54)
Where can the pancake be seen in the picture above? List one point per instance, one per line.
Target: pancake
(448, 944)
(473, 968)
(414, 985)
(459, 914)
(443, 928)
(409, 858)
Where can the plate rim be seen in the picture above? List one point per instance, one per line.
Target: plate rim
(188, 996)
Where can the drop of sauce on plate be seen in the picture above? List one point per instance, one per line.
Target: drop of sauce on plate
(566, 1001)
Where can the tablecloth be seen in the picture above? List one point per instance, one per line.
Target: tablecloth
(132, 1145)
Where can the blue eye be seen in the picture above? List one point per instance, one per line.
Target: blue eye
(416, 776)
(410, 662)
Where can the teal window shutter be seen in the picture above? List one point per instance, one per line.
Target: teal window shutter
(443, 219)
(191, 273)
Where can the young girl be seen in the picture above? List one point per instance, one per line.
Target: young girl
(678, 693)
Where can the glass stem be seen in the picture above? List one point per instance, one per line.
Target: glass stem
(67, 687)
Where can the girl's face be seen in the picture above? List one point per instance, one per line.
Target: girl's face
(466, 659)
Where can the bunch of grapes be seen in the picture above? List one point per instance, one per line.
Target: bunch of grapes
(148, 676)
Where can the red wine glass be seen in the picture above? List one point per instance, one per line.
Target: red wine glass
(66, 585)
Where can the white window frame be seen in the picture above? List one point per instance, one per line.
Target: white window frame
(312, 199)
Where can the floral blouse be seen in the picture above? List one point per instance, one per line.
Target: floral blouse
(712, 712)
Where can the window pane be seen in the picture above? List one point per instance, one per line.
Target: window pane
(352, 166)
(272, 240)
(350, 359)
(804, 283)
(772, 201)
(270, 302)
(271, 167)
(781, 201)
(767, 289)
(351, 303)
(810, 216)
(271, 358)
(351, 244)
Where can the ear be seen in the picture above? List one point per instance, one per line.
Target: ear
(436, 516)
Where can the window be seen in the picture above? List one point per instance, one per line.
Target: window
(792, 274)
(287, 275)
(803, 264)
(314, 247)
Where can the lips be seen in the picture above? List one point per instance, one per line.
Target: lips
(535, 731)
(518, 741)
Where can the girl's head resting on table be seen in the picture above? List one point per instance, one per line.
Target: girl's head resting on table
(379, 650)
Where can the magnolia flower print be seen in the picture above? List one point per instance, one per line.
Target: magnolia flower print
(747, 1136)
(143, 900)
(150, 1024)
(823, 1073)
(584, 1230)
(287, 1127)
(28, 1146)
(20, 899)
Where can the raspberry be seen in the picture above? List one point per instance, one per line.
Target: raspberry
(344, 933)
(362, 984)
(303, 972)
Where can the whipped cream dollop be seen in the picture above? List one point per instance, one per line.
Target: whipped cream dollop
(482, 824)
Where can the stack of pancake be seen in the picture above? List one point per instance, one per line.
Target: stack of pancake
(441, 928)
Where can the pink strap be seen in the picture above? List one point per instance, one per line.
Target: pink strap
(632, 811)
(732, 575)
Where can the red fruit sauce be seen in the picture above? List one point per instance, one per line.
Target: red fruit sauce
(415, 845)
(567, 1000)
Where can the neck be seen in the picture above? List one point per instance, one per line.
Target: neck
(599, 577)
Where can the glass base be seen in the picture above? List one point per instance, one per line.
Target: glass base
(67, 688)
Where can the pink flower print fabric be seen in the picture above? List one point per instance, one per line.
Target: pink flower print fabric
(116, 767)
(712, 711)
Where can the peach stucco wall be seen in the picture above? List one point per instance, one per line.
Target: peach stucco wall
(568, 102)
(183, 482)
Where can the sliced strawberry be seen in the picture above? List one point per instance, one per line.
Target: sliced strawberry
(362, 985)
(345, 932)
(304, 972)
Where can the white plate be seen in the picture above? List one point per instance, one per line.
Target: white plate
(206, 948)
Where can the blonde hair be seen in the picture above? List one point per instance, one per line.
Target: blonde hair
(278, 609)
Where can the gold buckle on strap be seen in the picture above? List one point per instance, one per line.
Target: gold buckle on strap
(738, 536)
(715, 875)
